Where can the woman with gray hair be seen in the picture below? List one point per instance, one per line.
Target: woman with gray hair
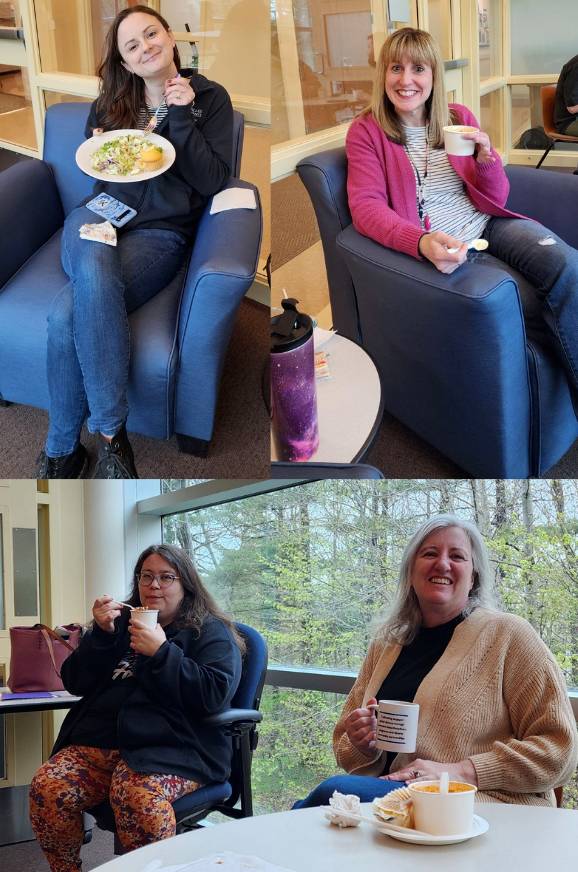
(494, 709)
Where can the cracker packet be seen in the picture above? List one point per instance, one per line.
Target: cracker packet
(322, 370)
(103, 232)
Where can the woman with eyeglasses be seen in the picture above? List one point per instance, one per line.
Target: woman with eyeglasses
(138, 738)
(140, 78)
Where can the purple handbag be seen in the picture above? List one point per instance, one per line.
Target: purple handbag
(37, 654)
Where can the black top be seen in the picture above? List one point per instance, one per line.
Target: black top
(566, 95)
(415, 661)
(202, 134)
(160, 704)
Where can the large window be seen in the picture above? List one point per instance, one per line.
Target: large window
(312, 567)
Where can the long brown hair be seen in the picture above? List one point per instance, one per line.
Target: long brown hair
(121, 93)
(197, 603)
(420, 47)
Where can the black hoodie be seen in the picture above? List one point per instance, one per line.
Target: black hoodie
(160, 725)
(202, 134)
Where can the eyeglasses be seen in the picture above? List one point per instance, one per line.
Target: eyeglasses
(165, 579)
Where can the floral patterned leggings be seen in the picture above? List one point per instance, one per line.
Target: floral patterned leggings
(78, 778)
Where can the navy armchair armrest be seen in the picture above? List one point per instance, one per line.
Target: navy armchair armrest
(30, 213)
(222, 268)
(459, 341)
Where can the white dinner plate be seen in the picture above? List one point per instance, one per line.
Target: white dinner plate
(85, 151)
(480, 826)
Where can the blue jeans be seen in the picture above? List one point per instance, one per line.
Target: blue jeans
(553, 272)
(363, 786)
(88, 332)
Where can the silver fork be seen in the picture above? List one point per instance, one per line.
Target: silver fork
(153, 121)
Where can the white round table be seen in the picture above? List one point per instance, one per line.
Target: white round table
(520, 839)
(349, 407)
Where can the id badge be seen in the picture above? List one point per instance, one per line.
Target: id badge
(111, 210)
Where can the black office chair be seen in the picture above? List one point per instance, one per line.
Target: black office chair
(241, 724)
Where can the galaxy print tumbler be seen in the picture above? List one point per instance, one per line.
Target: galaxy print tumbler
(293, 398)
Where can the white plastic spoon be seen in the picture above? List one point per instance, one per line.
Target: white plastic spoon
(476, 244)
(445, 782)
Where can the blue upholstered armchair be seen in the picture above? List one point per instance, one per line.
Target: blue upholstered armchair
(179, 338)
(458, 364)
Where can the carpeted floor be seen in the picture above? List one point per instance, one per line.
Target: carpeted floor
(27, 856)
(7, 158)
(240, 445)
(294, 228)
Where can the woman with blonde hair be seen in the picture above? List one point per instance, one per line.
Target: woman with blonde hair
(408, 194)
(494, 708)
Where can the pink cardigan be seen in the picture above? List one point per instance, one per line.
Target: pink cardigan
(382, 191)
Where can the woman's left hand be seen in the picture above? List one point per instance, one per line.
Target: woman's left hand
(429, 770)
(483, 151)
(143, 640)
(178, 92)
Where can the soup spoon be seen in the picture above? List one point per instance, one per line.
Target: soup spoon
(476, 244)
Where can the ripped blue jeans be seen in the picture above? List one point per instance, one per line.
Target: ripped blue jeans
(553, 272)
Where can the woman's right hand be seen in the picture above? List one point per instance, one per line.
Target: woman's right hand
(360, 729)
(434, 246)
(104, 612)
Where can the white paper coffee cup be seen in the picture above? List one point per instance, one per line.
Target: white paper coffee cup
(148, 617)
(454, 143)
(443, 814)
(396, 727)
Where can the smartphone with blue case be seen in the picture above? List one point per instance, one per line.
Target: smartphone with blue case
(111, 210)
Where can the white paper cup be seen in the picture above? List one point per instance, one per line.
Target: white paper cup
(148, 617)
(443, 814)
(396, 727)
(454, 142)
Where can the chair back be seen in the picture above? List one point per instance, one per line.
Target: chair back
(325, 177)
(64, 132)
(548, 97)
(248, 696)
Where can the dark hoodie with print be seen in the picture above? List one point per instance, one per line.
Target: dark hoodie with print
(154, 709)
(202, 134)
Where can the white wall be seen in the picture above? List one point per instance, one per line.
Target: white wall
(95, 537)
(544, 35)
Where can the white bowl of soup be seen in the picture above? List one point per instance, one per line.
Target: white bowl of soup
(443, 814)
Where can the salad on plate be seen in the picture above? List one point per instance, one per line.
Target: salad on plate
(123, 156)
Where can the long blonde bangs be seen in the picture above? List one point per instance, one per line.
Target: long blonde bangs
(420, 48)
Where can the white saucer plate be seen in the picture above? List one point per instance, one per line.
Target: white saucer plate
(480, 826)
(85, 151)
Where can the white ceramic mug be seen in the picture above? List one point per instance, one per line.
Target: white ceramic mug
(148, 617)
(443, 814)
(454, 143)
(396, 727)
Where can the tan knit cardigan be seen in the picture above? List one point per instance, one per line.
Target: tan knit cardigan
(496, 696)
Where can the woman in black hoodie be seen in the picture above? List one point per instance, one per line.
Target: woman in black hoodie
(138, 737)
(88, 335)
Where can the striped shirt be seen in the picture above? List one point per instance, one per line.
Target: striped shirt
(446, 203)
(146, 113)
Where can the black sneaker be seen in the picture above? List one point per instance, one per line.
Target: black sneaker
(73, 465)
(115, 458)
